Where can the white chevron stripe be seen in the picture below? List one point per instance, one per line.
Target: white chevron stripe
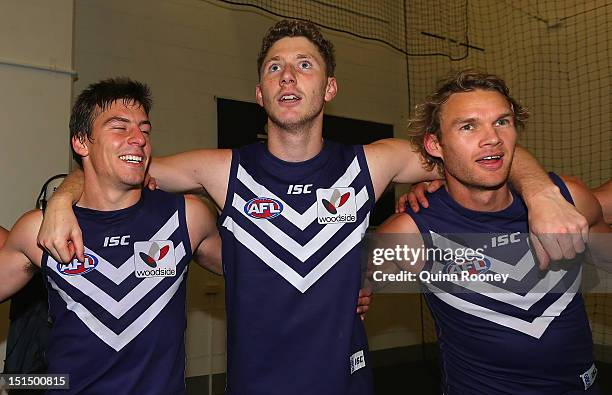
(312, 246)
(116, 308)
(527, 262)
(118, 274)
(541, 288)
(300, 220)
(300, 283)
(516, 272)
(118, 341)
(536, 328)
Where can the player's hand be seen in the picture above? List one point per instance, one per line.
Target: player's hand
(557, 230)
(416, 195)
(364, 300)
(149, 182)
(60, 234)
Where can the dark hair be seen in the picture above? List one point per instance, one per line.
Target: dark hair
(295, 28)
(427, 114)
(98, 97)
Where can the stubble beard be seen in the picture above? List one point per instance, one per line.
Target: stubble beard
(468, 178)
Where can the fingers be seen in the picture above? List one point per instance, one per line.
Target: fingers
(435, 185)
(61, 252)
(420, 197)
(577, 242)
(400, 205)
(363, 301)
(151, 183)
(542, 256)
(413, 201)
(77, 244)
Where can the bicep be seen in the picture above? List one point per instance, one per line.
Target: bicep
(400, 233)
(203, 234)
(395, 160)
(585, 201)
(17, 255)
(603, 193)
(15, 270)
(193, 170)
(208, 253)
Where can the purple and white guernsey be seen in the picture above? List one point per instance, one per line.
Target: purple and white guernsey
(528, 335)
(119, 317)
(291, 254)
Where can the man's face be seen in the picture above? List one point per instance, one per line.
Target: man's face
(478, 139)
(293, 86)
(121, 149)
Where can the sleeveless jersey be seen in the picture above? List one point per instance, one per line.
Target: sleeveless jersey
(291, 237)
(119, 317)
(527, 336)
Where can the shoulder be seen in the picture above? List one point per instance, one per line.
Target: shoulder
(22, 237)
(387, 146)
(3, 235)
(584, 199)
(28, 222)
(200, 212)
(398, 223)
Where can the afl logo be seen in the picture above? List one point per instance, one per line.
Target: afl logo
(475, 266)
(263, 208)
(76, 268)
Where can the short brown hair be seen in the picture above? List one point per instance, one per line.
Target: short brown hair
(427, 114)
(296, 28)
(97, 98)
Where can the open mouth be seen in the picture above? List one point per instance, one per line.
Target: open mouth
(289, 98)
(489, 159)
(491, 162)
(131, 158)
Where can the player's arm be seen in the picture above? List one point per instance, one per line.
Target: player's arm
(408, 234)
(395, 160)
(193, 170)
(557, 229)
(398, 231)
(599, 232)
(19, 250)
(3, 235)
(603, 193)
(60, 233)
(203, 234)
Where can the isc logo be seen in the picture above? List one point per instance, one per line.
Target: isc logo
(76, 268)
(114, 241)
(263, 208)
(474, 266)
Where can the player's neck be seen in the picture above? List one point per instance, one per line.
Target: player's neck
(479, 199)
(296, 145)
(103, 196)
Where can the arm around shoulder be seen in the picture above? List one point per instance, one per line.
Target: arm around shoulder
(193, 170)
(395, 160)
(599, 232)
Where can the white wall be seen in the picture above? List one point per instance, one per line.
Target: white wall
(34, 105)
